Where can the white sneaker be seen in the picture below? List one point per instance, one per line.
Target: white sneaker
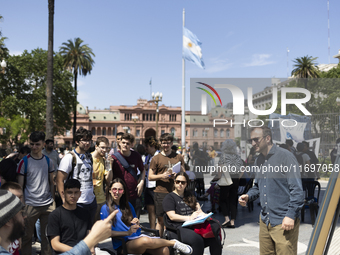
(182, 247)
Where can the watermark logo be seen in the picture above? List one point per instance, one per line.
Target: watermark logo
(238, 99)
(204, 105)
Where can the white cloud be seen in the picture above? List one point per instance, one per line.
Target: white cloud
(15, 52)
(218, 66)
(260, 60)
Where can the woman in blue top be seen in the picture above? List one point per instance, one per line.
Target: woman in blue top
(126, 224)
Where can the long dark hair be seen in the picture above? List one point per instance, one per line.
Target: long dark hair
(123, 202)
(188, 198)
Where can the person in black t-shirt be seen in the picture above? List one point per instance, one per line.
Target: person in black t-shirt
(69, 223)
(180, 206)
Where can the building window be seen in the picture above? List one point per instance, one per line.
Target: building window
(173, 131)
(228, 133)
(154, 117)
(204, 133)
(195, 133)
(186, 132)
(172, 117)
(68, 133)
(104, 131)
(104, 117)
(162, 132)
(93, 131)
(114, 117)
(215, 132)
(138, 133)
(98, 131)
(94, 117)
(128, 116)
(221, 133)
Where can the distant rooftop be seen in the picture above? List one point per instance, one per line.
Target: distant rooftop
(326, 67)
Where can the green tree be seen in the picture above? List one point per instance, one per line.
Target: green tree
(4, 52)
(13, 130)
(304, 68)
(78, 59)
(23, 91)
(49, 83)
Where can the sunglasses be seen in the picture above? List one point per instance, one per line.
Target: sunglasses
(182, 182)
(256, 140)
(114, 190)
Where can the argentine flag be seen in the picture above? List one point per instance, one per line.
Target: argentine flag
(191, 48)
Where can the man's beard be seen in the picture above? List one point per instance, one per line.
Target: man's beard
(17, 231)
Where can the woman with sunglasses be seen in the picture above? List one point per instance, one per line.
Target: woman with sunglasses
(126, 224)
(180, 206)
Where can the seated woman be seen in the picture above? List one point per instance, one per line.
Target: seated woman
(126, 224)
(180, 205)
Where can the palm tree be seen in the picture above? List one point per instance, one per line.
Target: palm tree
(1, 18)
(305, 68)
(77, 58)
(49, 79)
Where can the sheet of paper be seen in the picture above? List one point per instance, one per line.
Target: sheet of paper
(198, 220)
(176, 168)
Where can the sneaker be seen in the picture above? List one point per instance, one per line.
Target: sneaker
(186, 249)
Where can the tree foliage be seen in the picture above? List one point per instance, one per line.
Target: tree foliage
(23, 92)
(304, 67)
(77, 58)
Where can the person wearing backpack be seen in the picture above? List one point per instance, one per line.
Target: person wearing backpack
(78, 164)
(35, 174)
(125, 165)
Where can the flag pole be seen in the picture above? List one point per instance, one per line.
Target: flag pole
(183, 91)
(150, 88)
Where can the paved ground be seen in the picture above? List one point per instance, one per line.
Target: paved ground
(243, 240)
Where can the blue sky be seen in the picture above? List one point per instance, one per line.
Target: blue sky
(136, 40)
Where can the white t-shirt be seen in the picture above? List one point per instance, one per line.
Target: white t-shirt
(83, 173)
(37, 190)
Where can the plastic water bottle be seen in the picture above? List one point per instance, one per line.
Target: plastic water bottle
(107, 162)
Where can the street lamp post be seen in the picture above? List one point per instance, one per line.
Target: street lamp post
(157, 97)
(135, 118)
(3, 66)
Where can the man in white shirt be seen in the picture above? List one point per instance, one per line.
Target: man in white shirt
(78, 165)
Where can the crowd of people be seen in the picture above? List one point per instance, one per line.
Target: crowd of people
(62, 195)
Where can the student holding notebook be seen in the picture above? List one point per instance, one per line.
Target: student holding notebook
(180, 206)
